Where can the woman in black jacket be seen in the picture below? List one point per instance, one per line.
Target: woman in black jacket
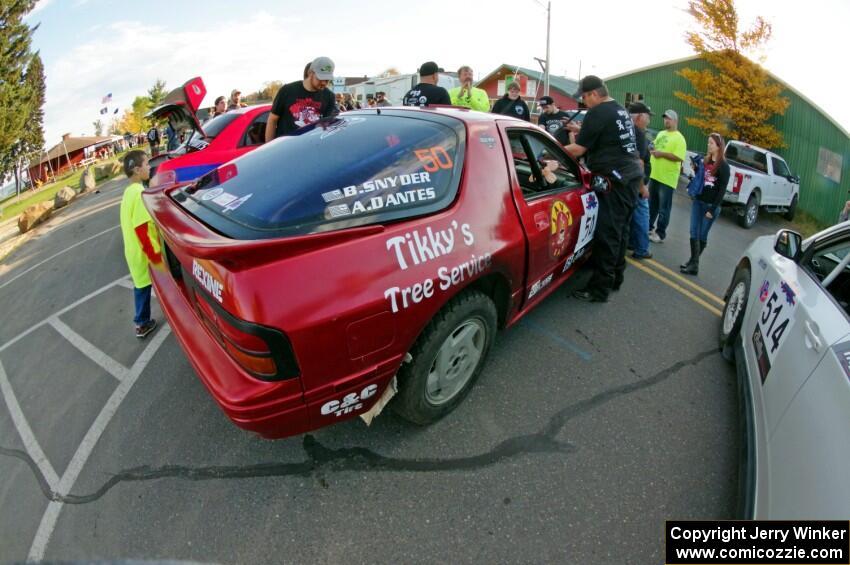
(512, 104)
(706, 205)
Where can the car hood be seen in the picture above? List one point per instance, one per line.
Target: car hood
(180, 106)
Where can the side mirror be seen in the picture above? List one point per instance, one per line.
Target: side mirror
(599, 183)
(788, 244)
(794, 179)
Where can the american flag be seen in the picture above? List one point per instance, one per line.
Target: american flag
(106, 99)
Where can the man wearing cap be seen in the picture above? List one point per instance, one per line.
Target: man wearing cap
(467, 95)
(607, 136)
(381, 99)
(427, 92)
(512, 104)
(666, 163)
(303, 102)
(235, 100)
(551, 118)
(639, 238)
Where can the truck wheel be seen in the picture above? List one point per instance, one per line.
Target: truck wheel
(733, 312)
(751, 212)
(792, 209)
(447, 358)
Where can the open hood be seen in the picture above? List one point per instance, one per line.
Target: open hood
(180, 106)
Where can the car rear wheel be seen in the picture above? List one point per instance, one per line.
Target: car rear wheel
(733, 311)
(751, 212)
(792, 209)
(447, 358)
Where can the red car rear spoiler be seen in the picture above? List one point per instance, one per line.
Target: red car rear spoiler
(197, 240)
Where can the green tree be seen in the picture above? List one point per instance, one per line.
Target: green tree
(30, 144)
(734, 96)
(15, 58)
(157, 93)
(98, 127)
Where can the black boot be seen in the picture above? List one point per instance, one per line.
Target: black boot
(687, 264)
(693, 267)
(702, 245)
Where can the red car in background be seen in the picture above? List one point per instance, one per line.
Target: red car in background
(372, 252)
(205, 146)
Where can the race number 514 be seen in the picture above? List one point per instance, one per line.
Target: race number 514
(776, 315)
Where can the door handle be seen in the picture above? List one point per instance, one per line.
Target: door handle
(813, 339)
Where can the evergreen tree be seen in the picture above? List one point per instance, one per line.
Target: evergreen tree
(734, 96)
(157, 93)
(98, 127)
(29, 146)
(15, 57)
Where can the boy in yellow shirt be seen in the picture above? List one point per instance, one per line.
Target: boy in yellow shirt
(141, 242)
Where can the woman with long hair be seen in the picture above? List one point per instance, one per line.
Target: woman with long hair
(706, 205)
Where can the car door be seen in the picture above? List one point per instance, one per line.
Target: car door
(811, 444)
(796, 321)
(559, 219)
(781, 184)
(253, 136)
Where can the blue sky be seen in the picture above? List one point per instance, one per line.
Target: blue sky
(91, 47)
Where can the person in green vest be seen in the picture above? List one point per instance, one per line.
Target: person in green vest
(141, 242)
(666, 163)
(467, 95)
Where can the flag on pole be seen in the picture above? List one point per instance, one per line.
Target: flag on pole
(116, 111)
(104, 110)
(106, 99)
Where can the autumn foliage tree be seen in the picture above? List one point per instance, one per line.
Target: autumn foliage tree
(734, 96)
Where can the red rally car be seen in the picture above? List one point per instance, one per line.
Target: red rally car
(372, 252)
(204, 147)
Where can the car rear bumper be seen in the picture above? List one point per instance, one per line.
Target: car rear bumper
(270, 409)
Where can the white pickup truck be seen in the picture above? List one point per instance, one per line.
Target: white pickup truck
(759, 179)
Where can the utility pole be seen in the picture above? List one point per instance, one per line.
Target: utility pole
(548, 65)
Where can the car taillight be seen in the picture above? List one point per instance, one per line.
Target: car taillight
(269, 357)
(739, 180)
(163, 178)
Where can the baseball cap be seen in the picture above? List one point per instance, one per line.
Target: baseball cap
(234, 92)
(428, 69)
(588, 83)
(640, 108)
(323, 67)
(671, 114)
(545, 101)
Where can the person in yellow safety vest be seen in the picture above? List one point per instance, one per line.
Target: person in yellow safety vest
(467, 95)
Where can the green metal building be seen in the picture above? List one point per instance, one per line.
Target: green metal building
(818, 149)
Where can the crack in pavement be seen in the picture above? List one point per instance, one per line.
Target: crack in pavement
(321, 458)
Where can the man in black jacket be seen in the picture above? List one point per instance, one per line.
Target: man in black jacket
(427, 92)
(512, 104)
(607, 136)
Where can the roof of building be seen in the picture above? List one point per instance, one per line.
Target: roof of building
(566, 86)
(71, 144)
(772, 76)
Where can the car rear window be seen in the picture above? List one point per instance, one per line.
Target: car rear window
(352, 170)
(215, 126)
(747, 156)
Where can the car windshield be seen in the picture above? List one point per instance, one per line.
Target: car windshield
(341, 172)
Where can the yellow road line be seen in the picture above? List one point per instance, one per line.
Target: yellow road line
(685, 280)
(676, 287)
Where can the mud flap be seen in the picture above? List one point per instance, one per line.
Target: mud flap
(389, 392)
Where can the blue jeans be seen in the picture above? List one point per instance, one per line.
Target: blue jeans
(699, 223)
(639, 238)
(660, 204)
(143, 305)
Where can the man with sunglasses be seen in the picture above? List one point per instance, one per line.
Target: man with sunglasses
(607, 136)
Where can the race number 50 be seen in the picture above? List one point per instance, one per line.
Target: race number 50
(434, 158)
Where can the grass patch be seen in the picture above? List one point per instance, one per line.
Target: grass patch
(806, 224)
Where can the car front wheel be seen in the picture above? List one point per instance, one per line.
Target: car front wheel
(447, 358)
(792, 210)
(733, 311)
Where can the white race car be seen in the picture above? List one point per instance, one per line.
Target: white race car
(786, 326)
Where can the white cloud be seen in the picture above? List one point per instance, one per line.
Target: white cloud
(126, 57)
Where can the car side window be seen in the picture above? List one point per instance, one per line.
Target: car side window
(255, 134)
(779, 167)
(531, 153)
(823, 261)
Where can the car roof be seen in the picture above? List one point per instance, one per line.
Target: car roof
(463, 114)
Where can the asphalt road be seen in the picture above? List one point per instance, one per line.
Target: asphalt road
(591, 425)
